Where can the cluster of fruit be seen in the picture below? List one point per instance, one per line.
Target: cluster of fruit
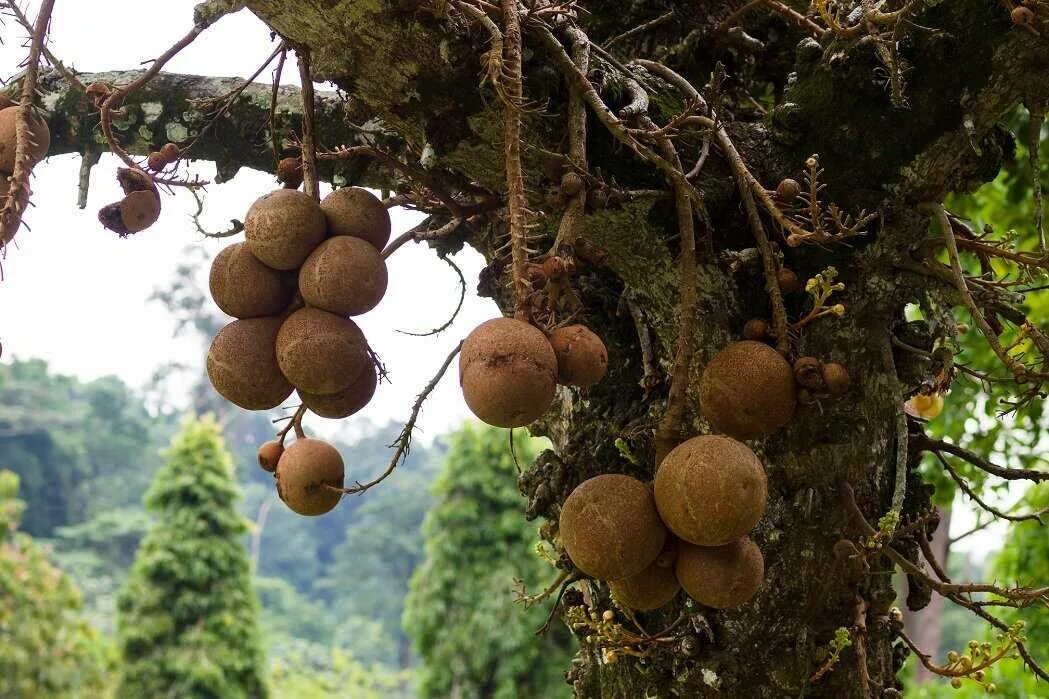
(39, 141)
(689, 530)
(302, 271)
(509, 369)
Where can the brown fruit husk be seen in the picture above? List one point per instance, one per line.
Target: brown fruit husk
(747, 390)
(347, 401)
(283, 227)
(243, 287)
(358, 213)
(140, 207)
(39, 136)
(836, 378)
(344, 275)
(711, 490)
(319, 352)
(269, 455)
(242, 364)
(170, 152)
(508, 372)
(610, 527)
(582, 359)
(305, 471)
(722, 577)
(650, 589)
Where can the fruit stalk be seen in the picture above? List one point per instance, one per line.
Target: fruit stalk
(309, 144)
(11, 215)
(515, 193)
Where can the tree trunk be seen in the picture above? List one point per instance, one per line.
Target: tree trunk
(416, 70)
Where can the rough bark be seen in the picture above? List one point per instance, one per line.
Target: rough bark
(416, 72)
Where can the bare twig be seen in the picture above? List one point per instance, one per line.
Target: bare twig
(309, 143)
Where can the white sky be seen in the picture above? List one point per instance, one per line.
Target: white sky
(76, 295)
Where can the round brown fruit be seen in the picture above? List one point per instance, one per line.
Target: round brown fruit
(243, 287)
(346, 402)
(242, 364)
(582, 359)
(156, 162)
(711, 490)
(170, 152)
(289, 172)
(283, 227)
(756, 329)
(357, 213)
(344, 275)
(788, 281)
(39, 138)
(269, 455)
(304, 473)
(787, 191)
(747, 390)
(610, 527)
(1022, 16)
(650, 589)
(320, 352)
(508, 372)
(808, 372)
(721, 577)
(136, 212)
(836, 378)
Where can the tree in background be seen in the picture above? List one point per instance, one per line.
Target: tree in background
(187, 613)
(46, 648)
(473, 639)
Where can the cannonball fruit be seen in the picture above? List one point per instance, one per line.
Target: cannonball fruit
(747, 390)
(357, 213)
(243, 287)
(1022, 15)
(344, 275)
(582, 359)
(787, 191)
(39, 138)
(610, 527)
(306, 473)
(650, 589)
(347, 401)
(788, 281)
(721, 577)
(289, 172)
(710, 490)
(269, 455)
(156, 162)
(835, 378)
(170, 152)
(242, 364)
(508, 372)
(283, 227)
(320, 352)
(756, 329)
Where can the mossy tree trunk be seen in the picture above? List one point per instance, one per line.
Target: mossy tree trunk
(417, 71)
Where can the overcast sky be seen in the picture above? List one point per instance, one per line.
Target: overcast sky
(76, 295)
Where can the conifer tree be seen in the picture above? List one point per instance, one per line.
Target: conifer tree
(187, 613)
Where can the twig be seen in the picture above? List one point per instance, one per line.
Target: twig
(515, 194)
(1020, 371)
(640, 29)
(458, 307)
(404, 440)
(309, 143)
(936, 445)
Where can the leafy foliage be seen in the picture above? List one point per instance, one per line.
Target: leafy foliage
(187, 613)
(47, 649)
(474, 641)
